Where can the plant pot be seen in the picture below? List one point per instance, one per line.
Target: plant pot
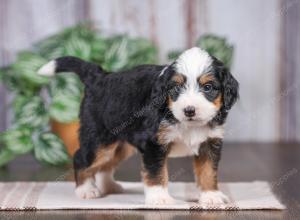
(68, 132)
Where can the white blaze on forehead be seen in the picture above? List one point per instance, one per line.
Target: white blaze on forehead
(193, 62)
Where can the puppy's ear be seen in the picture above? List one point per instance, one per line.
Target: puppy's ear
(230, 90)
(230, 86)
(160, 90)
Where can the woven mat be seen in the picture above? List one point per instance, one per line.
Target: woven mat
(60, 195)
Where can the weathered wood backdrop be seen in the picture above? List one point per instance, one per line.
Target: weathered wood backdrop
(266, 36)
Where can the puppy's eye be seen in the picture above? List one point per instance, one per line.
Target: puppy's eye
(177, 88)
(207, 87)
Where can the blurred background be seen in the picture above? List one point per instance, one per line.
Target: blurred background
(258, 40)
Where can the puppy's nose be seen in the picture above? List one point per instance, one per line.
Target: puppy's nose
(189, 111)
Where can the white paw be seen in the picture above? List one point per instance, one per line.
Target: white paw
(159, 200)
(87, 191)
(213, 198)
(157, 195)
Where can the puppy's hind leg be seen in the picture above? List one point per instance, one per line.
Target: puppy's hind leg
(92, 167)
(85, 181)
(96, 179)
(104, 177)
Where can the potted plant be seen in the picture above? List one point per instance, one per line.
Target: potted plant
(45, 111)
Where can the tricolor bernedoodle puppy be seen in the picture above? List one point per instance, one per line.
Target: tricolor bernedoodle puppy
(175, 110)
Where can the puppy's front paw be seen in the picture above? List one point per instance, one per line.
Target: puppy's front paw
(157, 195)
(87, 191)
(213, 198)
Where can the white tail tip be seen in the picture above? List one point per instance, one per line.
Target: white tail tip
(48, 69)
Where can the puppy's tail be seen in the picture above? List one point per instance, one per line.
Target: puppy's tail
(85, 70)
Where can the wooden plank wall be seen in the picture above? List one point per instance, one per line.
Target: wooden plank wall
(290, 77)
(24, 22)
(3, 110)
(262, 32)
(254, 28)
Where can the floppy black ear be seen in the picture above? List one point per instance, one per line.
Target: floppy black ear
(230, 86)
(230, 89)
(159, 95)
(160, 89)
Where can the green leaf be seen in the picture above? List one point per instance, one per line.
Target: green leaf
(123, 52)
(141, 51)
(17, 140)
(218, 47)
(78, 47)
(5, 156)
(65, 108)
(11, 80)
(50, 149)
(173, 55)
(26, 67)
(14, 82)
(18, 102)
(66, 92)
(54, 46)
(33, 114)
(98, 50)
(117, 54)
(51, 47)
(66, 84)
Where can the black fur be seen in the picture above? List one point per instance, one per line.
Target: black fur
(130, 105)
(88, 72)
(126, 106)
(211, 149)
(229, 88)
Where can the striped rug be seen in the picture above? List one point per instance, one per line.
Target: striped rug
(60, 195)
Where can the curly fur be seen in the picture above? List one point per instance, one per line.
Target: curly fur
(139, 105)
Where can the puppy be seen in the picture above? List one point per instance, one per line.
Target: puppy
(175, 110)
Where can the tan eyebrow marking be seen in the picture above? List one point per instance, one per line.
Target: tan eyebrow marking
(206, 78)
(178, 78)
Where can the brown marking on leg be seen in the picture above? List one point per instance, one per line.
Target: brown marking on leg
(157, 173)
(106, 159)
(160, 179)
(102, 156)
(206, 164)
(122, 152)
(205, 174)
(163, 131)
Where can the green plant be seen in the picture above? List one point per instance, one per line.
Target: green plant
(37, 98)
(214, 45)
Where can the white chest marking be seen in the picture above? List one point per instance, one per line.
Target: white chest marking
(187, 139)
